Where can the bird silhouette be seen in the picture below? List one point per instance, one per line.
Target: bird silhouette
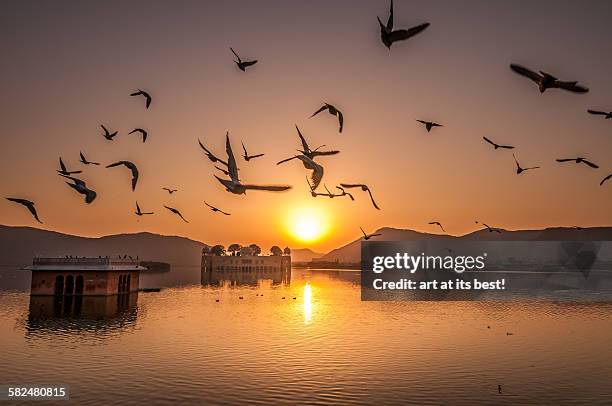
(547, 81)
(313, 193)
(215, 209)
(131, 167)
(334, 112)
(605, 179)
(368, 236)
(28, 204)
(85, 161)
(496, 146)
(607, 114)
(312, 153)
(233, 185)
(144, 94)
(64, 171)
(489, 229)
(429, 124)
(317, 170)
(210, 155)
(389, 36)
(437, 223)
(344, 193)
(579, 160)
(175, 211)
(81, 187)
(139, 213)
(246, 155)
(364, 188)
(519, 169)
(107, 134)
(144, 133)
(242, 65)
(170, 191)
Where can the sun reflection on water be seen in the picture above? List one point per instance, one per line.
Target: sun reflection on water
(307, 303)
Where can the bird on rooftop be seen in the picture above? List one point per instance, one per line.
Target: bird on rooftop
(85, 161)
(334, 112)
(496, 146)
(607, 114)
(107, 134)
(64, 171)
(144, 133)
(28, 204)
(368, 236)
(132, 167)
(175, 211)
(547, 81)
(242, 65)
(246, 155)
(519, 169)
(579, 160)
(144, 94)
(170, 191)
(429, 124)
(233, 185)
(364, 188)
(213, 208)
(138, 212)
(389, 36)
(81, 187)
(438, 224)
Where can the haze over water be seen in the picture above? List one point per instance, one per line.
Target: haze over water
(324, 347)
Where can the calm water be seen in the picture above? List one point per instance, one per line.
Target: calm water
(325, 346)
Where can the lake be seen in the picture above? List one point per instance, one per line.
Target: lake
(311, 340)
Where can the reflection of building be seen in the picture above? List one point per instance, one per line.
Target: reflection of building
(245, 269)
(84, 276)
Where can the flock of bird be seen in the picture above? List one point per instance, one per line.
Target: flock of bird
(306, 155)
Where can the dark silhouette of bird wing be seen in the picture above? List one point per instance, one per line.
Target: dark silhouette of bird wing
(605, 179)
(351, 185)
(372, 199)
(82, 158)
(286, 160)
(232, 168)
(138, 208)
(489, 141)
(175, 211)
(246, 154)
(146, 95)
(210, 155)
(256, 156)
(141, 131)
(246, 64)
(325, 107)
(597, 112)
(271, 188)
(62, 166)
(570, 86)
(591, 164)
(375, 235)
(364, 233)
(566, 160)
(28, 204)
(390, 19)
(523, 71)
(237, 57)
(322, 153)
(340, 120)
(304, 143)
(401, 35)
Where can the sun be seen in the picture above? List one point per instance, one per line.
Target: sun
(307, 223)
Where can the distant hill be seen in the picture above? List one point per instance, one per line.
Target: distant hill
(351, 252)
(18, 245)
(304, 255)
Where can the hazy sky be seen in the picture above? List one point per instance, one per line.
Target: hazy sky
(68, 67)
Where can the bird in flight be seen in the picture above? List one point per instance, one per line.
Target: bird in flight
(344, 193)
(547, 81)
(213, 208)
(85, 161)
(210, 155)
(368, 236)
(81, 187)
(233, 185)
(107, 134)
(607, 115)
(497, 145)
(333, 111)
(312, 190)
(144, 94)
(242, 65)
(27, 203)
(311, 153)
(519, 169)
(605, 179)
(175, 211)
(364, 188)
(429, 124)
(389, 36)
(317, 170)
(130, 166)
(64, 171)
(144, 133)
(246, 155)
(579, 160)
(138, 212)
(437, 223)
(490, 229)
(170, 191)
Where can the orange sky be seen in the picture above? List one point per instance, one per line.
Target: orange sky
(69, 67)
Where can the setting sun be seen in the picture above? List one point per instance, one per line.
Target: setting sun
(307, 223)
